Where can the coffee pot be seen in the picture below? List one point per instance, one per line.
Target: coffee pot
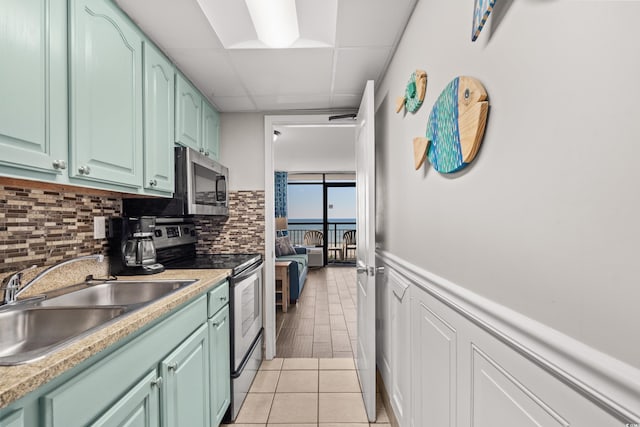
(131, 246)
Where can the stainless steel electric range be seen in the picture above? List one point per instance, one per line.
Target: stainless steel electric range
(175, 241)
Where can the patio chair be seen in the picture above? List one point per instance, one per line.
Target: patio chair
(313, 238)
(348, 243)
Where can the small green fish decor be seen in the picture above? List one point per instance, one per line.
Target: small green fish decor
(414, 92)
(455, 127)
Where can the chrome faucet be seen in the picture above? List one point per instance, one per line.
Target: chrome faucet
(13, 284)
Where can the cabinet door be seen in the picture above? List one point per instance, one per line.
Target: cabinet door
(220, 365)
(33, 86)
(185, 371)
(158, 121)
(14, 419)
(188, 114)
(210, 130)
(140, 407)
(106, 94)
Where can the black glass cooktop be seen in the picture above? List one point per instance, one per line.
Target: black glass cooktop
(236, 262)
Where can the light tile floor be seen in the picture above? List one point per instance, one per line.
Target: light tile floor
(306, 392)
(323, 322)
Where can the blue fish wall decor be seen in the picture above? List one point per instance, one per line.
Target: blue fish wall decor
(455, 127)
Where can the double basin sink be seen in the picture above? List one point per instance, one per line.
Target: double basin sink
(32, 330)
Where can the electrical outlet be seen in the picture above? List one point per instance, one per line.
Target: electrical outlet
(99, 227)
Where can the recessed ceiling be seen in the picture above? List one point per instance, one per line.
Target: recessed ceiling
(325, 69)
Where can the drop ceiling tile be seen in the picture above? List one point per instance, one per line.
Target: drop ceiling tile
(354, 66)
(292, 102)
(346, 101)
(172, 24)
(230, 104)
(371, 22)
(282, 71)
(210, 70)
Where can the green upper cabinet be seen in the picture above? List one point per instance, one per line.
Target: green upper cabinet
(220, 365)
(33, 88)
(185, 373)
(188, 114)
(106, 94)
(158, 121)
(210, 130)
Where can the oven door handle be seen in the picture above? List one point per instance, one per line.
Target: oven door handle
(248, 273)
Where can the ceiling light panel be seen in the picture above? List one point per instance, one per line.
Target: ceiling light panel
(275, 21)
(233, 22)
(230, 19)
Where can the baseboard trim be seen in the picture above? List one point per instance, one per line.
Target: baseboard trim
(607, 382)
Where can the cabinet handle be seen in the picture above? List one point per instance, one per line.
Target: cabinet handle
(223, 298)
(157, 382)
(59, 164)
(215, 324)
(202, 150)
(173, 366)
(206, 153)
(84, 170)
(153, 182)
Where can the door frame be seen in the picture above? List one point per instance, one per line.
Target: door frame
(269, 299)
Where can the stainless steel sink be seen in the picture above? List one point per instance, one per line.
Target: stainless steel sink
(27, 334)
(118, 292)
(31, 330)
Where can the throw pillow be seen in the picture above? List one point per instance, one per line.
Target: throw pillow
(284, 247)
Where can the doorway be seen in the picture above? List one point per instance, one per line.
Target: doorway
(295, 123)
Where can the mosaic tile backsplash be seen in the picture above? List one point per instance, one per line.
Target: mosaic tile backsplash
(43, 227)
(241, 232)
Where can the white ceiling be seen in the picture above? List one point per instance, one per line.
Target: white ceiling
(277, 79)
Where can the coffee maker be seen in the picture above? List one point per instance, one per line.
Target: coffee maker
(131, 248)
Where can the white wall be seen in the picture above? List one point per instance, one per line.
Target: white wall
(315, 149)
(545, 220)
(242, 149)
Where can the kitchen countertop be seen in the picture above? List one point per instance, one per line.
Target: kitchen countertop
(17, 381)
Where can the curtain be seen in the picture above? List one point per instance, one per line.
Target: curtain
(281, 194)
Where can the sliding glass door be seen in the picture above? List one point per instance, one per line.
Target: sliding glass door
(321, 213)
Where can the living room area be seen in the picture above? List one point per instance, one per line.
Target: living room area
(315, 242)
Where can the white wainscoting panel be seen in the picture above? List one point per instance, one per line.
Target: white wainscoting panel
(498, 398)
(474, 363)
(433, 350)
(400, 335)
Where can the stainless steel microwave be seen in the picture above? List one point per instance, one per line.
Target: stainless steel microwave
(201, 188)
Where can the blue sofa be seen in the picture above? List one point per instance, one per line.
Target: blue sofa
(297, 272)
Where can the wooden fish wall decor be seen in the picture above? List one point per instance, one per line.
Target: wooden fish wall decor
(481, 11)
(414, 92)
(455, 127)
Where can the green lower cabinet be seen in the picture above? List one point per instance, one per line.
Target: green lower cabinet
(138, 408)
(220, 365)
(14, 419)
(185, 382)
